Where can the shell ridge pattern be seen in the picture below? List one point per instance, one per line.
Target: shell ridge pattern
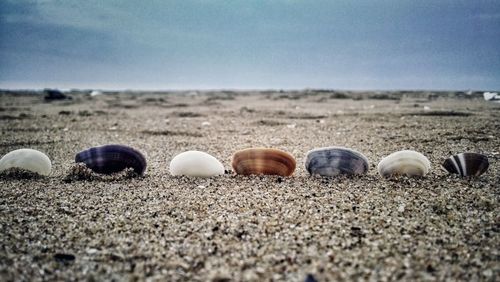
(458, 163)
(463, 163)
(112, 158)
(455, 165)
(331, 161)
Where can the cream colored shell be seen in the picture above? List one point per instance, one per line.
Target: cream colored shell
(196, 163)
(406, 162)
(27, 159)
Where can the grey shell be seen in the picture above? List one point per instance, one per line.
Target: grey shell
(333, 161)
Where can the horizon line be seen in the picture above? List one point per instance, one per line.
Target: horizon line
(245, 89)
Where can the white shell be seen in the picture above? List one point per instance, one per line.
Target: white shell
(404, 162)
(196, 163)
(491, 96)
(27, 159)
(95, 93)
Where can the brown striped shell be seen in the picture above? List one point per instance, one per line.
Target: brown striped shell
(263, 161)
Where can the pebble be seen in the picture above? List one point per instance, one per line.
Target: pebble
(401, 208)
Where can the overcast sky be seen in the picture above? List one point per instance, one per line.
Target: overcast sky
(187, 44)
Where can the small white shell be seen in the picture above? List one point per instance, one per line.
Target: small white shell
(491, 96)
(95, 93)
(196, 163)
(404, 162)
(27, 159)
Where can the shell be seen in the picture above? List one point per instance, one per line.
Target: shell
(491, 96)
(54, 94)
(467, 164)
(196, 163)
(95, 93)
(263, 161)
(108, 159)
(406, 162)
(332, 161)
(27, 159)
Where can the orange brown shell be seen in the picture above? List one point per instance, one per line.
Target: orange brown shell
(263, 161)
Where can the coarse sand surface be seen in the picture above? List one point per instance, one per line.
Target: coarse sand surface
(78, 225)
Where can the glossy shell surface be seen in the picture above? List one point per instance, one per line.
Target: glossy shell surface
(333, 161)
(27, 159)
(263, 161)
(196, 163)
(109, 159)
(406, 162)
(467, 164)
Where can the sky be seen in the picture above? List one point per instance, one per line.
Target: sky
(281, 44)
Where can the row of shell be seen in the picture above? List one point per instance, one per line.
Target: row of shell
(330, 161)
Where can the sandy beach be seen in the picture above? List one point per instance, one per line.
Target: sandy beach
(257, 228)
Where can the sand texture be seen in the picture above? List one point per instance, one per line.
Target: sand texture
(77, 225)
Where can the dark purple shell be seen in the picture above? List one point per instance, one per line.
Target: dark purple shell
(109, 159)
(467, 164)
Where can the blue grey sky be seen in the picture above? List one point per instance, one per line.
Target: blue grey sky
(282, 44)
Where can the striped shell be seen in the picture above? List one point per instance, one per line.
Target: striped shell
(109, 159)
(467, 164)
(332, 161)
(263, 161)
(406, 162)
(27, 159)
(196, 163)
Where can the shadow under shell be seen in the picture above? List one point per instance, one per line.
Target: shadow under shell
(109, 159)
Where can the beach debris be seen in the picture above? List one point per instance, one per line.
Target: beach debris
(54, 94)
(401, 208)
(27, 159)
(64, 258)
(406, 162)
(266, 161)
(196, 163)
(65, 113)
(79, 172)
(205, 123)
(467, 164)
(333, 161)
(491, 96)
(109, 159)
(430, 112)
(91, 251)
(310, 278)
(95, 93)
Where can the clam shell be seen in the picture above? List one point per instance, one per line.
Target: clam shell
(406, 162)
(27, 159)
(467, 164)
(196, 163)
(263, 161)
(332, 161)
(108, 159)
